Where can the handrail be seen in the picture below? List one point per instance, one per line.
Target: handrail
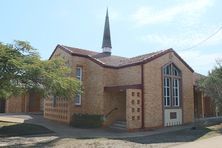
(111, 112)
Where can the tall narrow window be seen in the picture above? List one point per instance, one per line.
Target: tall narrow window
(171, 86)
(176, 92)
(79, 73)
(167, 92)
(78, 98)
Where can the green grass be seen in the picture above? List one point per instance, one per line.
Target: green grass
(8, 129)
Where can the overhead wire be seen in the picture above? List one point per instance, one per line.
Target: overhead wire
(203, 41)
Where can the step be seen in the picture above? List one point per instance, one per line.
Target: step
(121, 122)
(120, 125)
(117, 128)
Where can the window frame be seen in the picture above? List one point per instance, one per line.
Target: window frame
(173, 76)
(79, 77)
(80, 99)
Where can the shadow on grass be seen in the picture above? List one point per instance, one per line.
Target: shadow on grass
(186, 135)
(22, 129)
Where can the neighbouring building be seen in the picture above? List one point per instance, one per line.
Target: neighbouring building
(204, 106)
(30, 102)
(147, 91)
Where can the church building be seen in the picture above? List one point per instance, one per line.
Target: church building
(152, 90)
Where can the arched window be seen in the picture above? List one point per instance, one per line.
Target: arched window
(171, 86)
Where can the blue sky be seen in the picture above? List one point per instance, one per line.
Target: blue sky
(137, 27)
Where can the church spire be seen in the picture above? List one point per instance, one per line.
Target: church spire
(106, 46)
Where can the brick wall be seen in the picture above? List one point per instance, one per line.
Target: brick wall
(153, 90)
(60, 111)
(133, 109)
(14, 104)
(23, 103)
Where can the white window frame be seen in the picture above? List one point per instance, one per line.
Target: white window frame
(167, 96)
(78, 96)
(173, 74)
(176, 96)
(79, 77)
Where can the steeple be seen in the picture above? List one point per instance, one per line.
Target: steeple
(106, 46)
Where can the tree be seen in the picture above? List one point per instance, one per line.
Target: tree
(22, 70)
(212, 85)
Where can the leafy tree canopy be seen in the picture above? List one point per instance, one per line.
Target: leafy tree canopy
(212, 84)
(22, 70)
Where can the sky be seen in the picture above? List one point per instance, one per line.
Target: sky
(137, 27)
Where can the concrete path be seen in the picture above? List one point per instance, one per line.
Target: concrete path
(214, 142)
(63, 130)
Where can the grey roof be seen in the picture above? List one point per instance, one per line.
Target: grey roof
(106, 34)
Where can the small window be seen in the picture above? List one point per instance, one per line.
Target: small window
(78, 99)
(133, 117)
(173, 115)
(167, 70)
(79, 73)
(133, 93)
(138, 101)
(138, 109)
(138, 117)
(138, 94)
(133, 102)
(133, 110)
(175, 71)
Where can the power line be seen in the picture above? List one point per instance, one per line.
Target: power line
(201, 42)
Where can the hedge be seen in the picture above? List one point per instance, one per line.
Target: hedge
(87, 121)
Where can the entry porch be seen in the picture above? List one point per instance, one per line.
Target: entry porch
(123, 104)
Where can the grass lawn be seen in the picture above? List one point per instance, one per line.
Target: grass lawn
(8, 129)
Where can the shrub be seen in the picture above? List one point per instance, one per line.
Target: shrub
(87, 121)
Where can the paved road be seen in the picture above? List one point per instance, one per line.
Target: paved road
(214, 142)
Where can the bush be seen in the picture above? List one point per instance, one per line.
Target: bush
(87, 121)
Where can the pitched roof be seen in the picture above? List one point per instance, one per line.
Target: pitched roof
(113, 61)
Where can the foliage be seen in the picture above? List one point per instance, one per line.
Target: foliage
(212, 84)
(22, 70)
(87, 121)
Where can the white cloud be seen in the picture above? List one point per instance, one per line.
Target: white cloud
(193, 9)
(185, 39)
(201, 58)
(200, 61)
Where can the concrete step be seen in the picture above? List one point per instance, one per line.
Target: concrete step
(121, 122)
(119, 125)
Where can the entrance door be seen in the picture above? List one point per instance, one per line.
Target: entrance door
(2, 106)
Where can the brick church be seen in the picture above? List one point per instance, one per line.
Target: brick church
(147, 91)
